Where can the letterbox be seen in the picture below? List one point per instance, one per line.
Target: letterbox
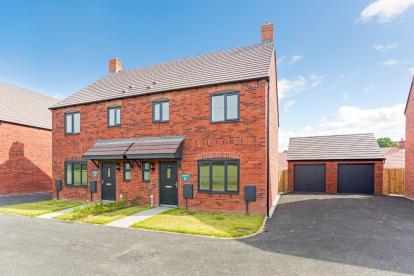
(188, 191)
(58, 184)
(250, 193)
(92, 186)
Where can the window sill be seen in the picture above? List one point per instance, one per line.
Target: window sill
(218, 193)
(70, 134)
(228, 121)
(114, 126)
(160, 122)
(76, 186)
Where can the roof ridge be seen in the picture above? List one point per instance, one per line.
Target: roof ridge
(27, 90)
(354, 134)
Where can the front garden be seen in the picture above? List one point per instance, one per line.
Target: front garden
(34, 209)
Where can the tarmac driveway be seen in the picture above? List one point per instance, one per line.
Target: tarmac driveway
(24, 198)
(308, 235)
(366, 231)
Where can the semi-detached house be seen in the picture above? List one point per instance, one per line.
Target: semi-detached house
(197, 133)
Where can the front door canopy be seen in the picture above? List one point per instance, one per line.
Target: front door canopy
(139, 148)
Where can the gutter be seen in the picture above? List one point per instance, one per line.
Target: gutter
(267, 150)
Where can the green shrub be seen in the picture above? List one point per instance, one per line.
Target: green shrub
(98, 208)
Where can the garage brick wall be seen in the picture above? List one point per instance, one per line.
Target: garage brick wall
(25, 159)
(409, 145)
(331, 174)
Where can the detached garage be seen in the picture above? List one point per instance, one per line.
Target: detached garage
(335, 164)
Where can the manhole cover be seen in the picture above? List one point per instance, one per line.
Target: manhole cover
(134, 256)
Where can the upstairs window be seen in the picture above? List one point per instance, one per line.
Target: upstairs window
(161, 111)
(225, 107)
(114, 116)
(72, 122)
(76, 173)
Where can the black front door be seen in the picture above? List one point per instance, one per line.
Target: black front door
(108, 181)
(168, 183)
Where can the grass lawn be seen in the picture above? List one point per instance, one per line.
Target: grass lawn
(105, 217)
(203, 223)
(38, 208)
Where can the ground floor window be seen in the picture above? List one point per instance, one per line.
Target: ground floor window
(146, 168)
(76, 173)
(218, 176)
(127, 171)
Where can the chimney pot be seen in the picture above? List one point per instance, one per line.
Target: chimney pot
(267, 33)
(115, 65)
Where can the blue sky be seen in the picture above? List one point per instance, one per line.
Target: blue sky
(343, 66)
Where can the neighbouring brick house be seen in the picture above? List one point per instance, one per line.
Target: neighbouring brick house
(209, 120)
(409, 144)
(350, 163)
(25, 141)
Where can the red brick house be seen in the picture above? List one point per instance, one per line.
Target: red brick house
(209, 121)
(409, 144)
(25, 141)
(350, 163)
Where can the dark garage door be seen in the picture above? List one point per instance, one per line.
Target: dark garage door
(356, 178)
(310, 178)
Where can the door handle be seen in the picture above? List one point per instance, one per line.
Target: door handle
(169, 186)
(108, 184)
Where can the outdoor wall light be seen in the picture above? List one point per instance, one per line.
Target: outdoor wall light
(152, 166)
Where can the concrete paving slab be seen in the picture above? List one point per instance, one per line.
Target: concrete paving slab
(58, 213)
(140, 216)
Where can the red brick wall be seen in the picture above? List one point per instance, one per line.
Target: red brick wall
(25, 159)
(409, 146)
(190, 117)
(331, 174)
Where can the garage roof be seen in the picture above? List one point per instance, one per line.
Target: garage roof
(335, 147)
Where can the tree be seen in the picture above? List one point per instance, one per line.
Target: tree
(386, 142)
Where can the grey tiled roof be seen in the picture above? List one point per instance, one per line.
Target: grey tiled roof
(21, 106)
(239, 64)
(334, 147)
(135, 148)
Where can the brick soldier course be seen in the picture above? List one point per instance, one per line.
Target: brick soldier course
(250, 140)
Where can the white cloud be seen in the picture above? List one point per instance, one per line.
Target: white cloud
(384, 11)
(289, 59)
(391, 62)
(385, 47)
(316, 79)
(280, 60)
(290, 87)
(382, 121)
(289, 105)
(294, 59)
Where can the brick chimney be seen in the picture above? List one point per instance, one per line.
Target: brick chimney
(115, 65)
(401, 144)
(267, 33)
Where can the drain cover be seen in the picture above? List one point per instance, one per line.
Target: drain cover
(134, 256)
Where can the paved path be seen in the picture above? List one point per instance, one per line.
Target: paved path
(140, 216)
(58, 213)
(24, 198)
